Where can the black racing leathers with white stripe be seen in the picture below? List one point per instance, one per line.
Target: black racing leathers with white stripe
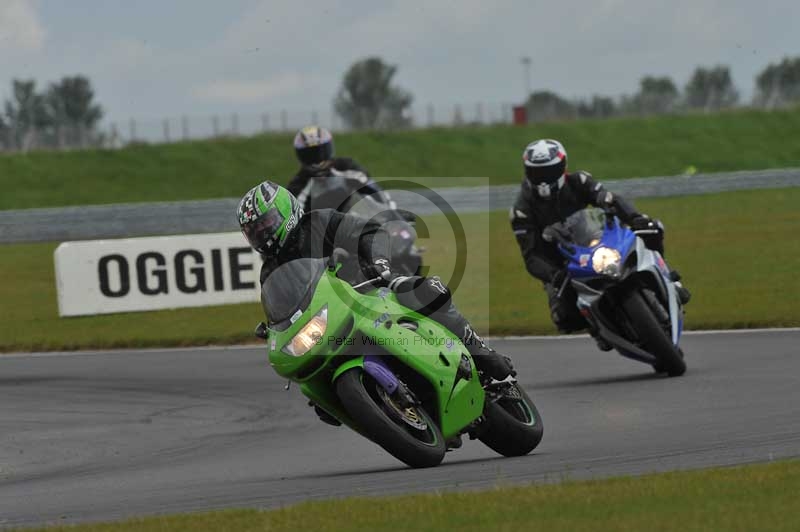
(531, 214)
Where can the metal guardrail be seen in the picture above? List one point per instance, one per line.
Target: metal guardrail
(211, 216)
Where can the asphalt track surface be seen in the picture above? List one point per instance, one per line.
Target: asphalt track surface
(104, 436)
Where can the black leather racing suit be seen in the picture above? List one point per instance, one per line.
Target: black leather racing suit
(319, 232)
(352, 177)
(531, 214)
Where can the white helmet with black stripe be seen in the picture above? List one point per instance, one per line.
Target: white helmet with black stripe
(545, 163)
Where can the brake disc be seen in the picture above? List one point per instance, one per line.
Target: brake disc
(407, 415)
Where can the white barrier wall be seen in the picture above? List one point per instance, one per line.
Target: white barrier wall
(136, 274)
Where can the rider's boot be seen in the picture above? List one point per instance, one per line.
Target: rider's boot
(488, 361)
(683, 293)
(602, 343)
(324, 416)
(454, 443)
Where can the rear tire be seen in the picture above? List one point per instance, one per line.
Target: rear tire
(653, 337)
(513, 426)
(361, 397)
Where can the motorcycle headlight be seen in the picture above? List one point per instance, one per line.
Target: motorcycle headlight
(606, 261)
(309, 336)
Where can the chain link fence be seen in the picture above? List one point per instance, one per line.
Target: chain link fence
(118, 134)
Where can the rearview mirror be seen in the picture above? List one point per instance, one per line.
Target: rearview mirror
(261, 331)
(338, 255)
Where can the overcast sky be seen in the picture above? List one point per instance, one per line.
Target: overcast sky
(156, 58)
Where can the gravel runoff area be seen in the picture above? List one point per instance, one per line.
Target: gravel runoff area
(211, 216)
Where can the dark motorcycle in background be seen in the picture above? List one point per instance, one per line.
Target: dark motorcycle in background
(625, 290)
(334, 190)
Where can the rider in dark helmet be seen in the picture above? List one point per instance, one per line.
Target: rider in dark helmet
(548, 195)
(275, 225)
(313, 146)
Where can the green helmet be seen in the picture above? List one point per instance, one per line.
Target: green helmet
(266, 215)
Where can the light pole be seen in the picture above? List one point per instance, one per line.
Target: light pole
(526, 64)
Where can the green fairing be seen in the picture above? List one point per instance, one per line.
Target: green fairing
(432, 351)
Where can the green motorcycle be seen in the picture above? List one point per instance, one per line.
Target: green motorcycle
(391, 374)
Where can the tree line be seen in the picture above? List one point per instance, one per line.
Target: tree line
(367, 97)
(709, 89)
(64, 115)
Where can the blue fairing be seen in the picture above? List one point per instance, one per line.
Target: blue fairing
(616, 237)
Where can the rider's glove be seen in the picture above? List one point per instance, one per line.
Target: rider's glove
(605, 200)
(641, 222)
(383, 269)
(552, 233)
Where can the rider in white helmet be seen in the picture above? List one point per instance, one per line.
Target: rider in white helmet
(550, 194)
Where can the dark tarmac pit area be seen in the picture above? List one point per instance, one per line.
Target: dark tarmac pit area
(104, 436)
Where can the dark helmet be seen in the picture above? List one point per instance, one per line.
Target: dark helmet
(266, 215)
(313, 146)
(545, 165)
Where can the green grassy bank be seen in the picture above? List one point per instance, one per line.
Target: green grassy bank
(611, 149)
(738, 251)
(756, 497)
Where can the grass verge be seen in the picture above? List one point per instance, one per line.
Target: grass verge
(755, 497)
(612, 149)
(738, 252)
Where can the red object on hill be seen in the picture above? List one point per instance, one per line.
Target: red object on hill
(520, 115)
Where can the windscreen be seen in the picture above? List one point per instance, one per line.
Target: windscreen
(290, 287)
(586, 226)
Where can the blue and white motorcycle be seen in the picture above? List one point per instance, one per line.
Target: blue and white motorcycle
(625, 290)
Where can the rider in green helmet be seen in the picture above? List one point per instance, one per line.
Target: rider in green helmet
(275, 225)
(267, 213)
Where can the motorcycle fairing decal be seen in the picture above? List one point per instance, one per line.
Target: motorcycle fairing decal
(296, 316)
(381, 319)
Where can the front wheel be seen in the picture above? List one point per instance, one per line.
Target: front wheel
(654, 339)
(513, 426)
(407, 433)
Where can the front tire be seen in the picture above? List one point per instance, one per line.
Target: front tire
(653, 337)
(513, 426)
(397, 430)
